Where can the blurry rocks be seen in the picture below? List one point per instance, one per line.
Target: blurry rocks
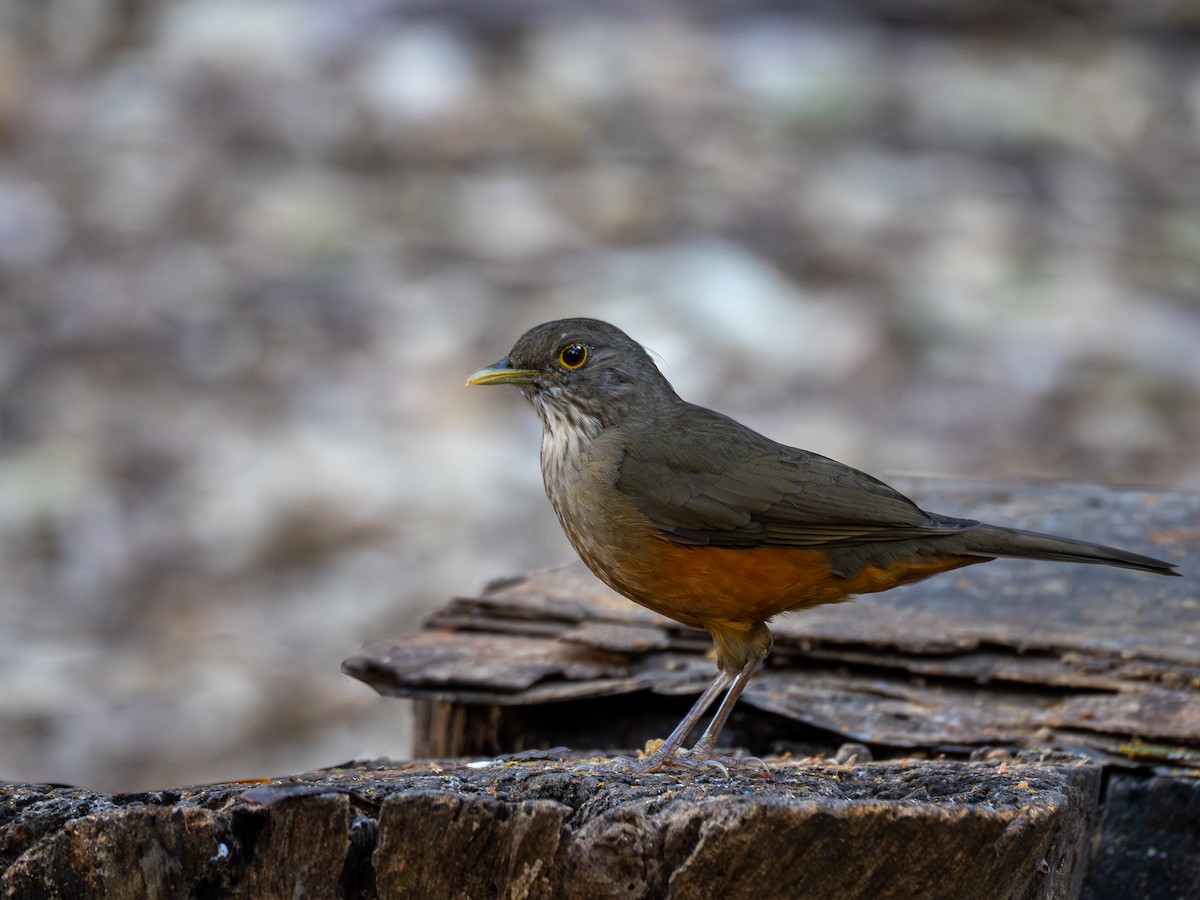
(250, 252)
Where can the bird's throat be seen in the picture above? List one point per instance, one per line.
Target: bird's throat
(568, 430)
(567, 435)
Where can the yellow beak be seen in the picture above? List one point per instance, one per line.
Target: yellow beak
(502, 372)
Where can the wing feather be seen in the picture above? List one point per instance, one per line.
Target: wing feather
(731, 487)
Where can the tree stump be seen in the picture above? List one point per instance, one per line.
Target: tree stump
(532, 828)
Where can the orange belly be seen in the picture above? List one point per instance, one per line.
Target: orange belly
(701, 586)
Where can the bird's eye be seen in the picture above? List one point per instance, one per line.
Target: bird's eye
(573, 356)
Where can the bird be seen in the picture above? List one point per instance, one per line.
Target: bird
(695, 516)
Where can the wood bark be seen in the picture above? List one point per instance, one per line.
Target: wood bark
(532, 828)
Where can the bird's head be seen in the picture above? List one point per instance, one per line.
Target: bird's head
(580, 368)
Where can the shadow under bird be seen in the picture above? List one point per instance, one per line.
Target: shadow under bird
(699, 518)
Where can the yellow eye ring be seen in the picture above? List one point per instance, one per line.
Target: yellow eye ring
(573, 356)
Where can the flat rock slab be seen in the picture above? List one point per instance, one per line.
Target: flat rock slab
(530, 827)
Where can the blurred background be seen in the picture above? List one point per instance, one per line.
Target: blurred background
(250, 251)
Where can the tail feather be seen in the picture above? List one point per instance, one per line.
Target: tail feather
(993, 540)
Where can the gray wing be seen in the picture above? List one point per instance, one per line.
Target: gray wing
(731, 487)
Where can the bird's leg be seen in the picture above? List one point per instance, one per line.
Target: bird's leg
(676, 738)
(666, 752)
(708, 740)
(702, 753)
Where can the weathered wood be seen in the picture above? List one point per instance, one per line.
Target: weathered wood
(72, 843)
(1150, 843)
(540, 828)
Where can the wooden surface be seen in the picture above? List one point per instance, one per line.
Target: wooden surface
(534, 828)
(1148, 843)
(1011, 653)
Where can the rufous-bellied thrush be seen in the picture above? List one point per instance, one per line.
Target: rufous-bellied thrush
(695, 516)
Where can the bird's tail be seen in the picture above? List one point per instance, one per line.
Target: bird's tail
(993, 540)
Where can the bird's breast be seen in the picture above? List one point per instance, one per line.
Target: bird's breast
(580, 463)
